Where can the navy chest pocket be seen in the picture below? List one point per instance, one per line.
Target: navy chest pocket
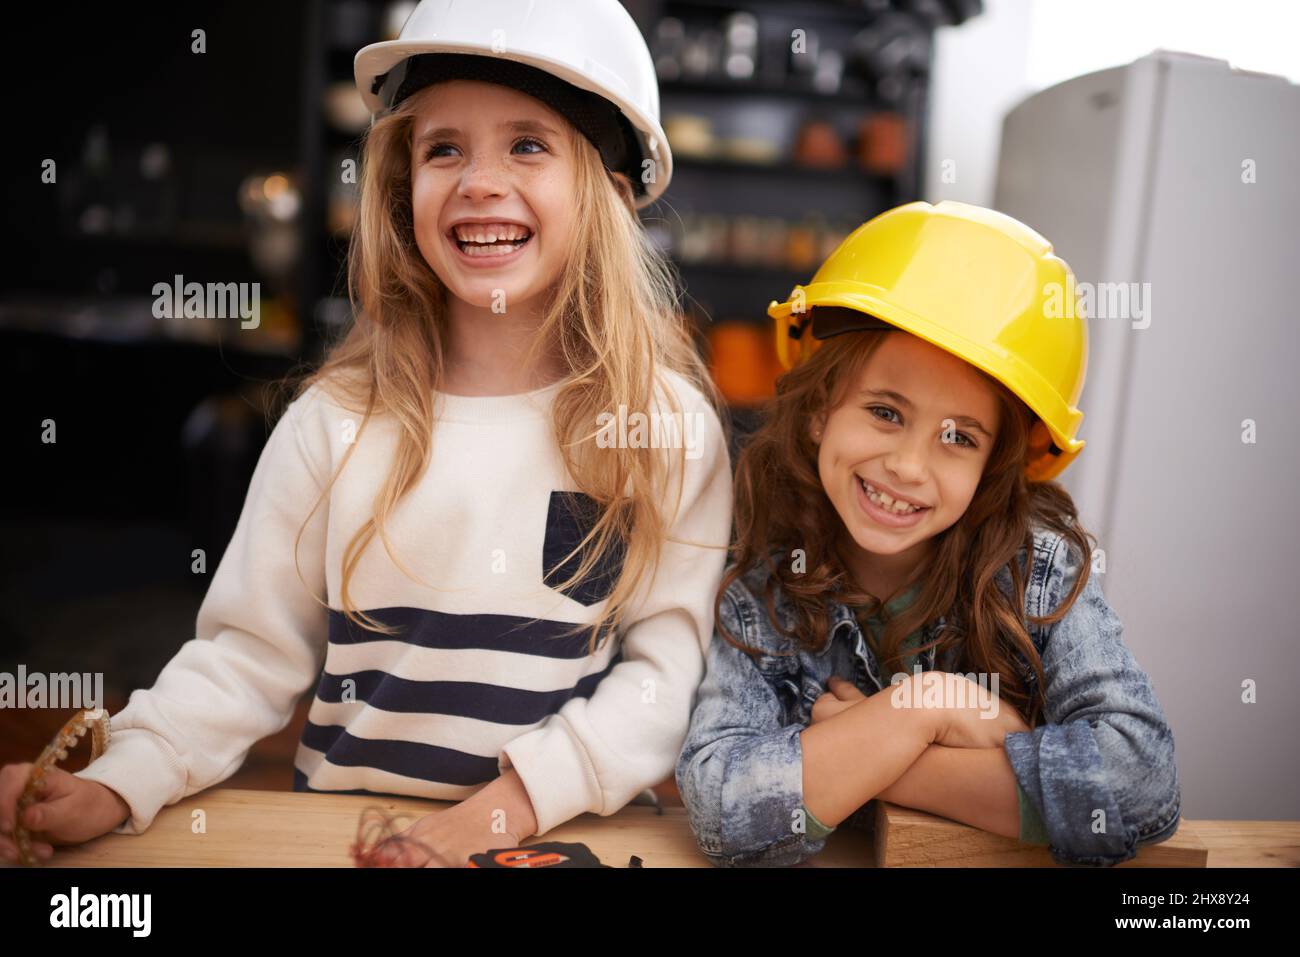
(570, 517)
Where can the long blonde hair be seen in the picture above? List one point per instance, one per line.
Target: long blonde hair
(612, 317)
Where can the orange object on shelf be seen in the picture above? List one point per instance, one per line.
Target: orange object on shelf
(801, 246)
(818, 145)
(883, 143)
(743, 362)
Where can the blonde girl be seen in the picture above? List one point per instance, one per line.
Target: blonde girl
(497, 600)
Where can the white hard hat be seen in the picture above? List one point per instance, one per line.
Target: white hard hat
(593, 45)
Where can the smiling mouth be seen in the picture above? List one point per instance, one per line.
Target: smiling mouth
(490, 239)
(883, 500)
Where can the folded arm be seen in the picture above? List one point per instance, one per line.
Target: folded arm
(975, 786)
(1101, 770)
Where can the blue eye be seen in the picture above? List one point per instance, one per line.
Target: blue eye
(962, 437)
(439, 150)
(529, 141)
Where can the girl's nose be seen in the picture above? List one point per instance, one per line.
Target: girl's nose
(482, 178)
(906, 461)
(905, 468)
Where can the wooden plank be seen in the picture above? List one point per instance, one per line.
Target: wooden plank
(906, 837)
(295, 829)
(1251, 843)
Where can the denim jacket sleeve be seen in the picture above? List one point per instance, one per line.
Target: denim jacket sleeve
(741, 770)
(1101, 769)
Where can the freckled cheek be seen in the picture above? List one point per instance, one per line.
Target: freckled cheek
(558, 228)
(427, 200)
(555, 219)
(546, 186)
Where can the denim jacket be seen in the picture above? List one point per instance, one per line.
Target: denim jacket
(1103, 746)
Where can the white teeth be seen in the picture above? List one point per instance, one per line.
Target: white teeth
(487, 250)
(886, 501)
(490, 233)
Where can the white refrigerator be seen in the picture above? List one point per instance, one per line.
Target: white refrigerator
(1172, 188)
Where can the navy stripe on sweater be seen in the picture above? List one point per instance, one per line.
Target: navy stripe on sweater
(425, 762)
(429, 762)
(437, 629)
(466, 699)
(498, 704)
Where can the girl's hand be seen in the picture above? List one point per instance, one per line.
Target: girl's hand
(842, 694)
(968, 715)
(447, 839)
(68, 810)
(498, 815)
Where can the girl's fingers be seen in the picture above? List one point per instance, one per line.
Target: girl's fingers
(12, 779)
(844, 690)
(9, 850)
(57, 783)
(827, 706)
(60, 818)
(35, 817)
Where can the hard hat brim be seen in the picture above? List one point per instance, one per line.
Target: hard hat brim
(377, 59)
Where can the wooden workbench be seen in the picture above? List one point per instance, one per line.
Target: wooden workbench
(294, 829)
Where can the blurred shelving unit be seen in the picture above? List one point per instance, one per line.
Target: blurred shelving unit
(791, 124)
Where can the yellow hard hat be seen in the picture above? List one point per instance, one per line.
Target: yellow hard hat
(972, 281)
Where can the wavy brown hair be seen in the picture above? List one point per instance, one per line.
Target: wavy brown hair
(611, 317)
(781, 506)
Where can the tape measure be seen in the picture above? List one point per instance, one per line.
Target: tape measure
(547, 854)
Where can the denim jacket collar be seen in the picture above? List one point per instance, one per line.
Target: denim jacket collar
(844, 626)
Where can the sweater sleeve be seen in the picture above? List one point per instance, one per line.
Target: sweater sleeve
(595, 754)
(259, 644)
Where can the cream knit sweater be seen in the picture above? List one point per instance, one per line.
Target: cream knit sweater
(477, 680)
